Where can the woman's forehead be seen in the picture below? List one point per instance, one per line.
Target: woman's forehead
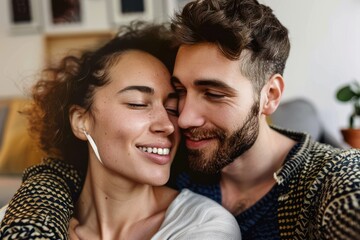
(140, 68)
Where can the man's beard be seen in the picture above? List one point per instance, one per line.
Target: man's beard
(229, 146)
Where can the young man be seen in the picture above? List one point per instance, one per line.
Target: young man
(228, 73)
(278, 183)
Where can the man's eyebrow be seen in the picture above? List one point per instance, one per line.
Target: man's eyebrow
(214, 83)
(143, 89)
(207, 82)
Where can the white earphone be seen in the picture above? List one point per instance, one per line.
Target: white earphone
(93, 146)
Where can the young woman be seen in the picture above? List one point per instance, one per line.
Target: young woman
(113, 114)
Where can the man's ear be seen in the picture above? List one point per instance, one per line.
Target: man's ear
(272, 91)
(78, 121)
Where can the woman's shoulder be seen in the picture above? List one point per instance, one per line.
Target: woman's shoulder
(200, 207)
(193, 216)
(190, 198)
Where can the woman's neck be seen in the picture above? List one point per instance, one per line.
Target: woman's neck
(113, 208)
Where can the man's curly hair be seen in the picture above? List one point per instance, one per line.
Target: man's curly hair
(240, 28)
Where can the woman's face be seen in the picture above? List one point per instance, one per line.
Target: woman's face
(133, 120)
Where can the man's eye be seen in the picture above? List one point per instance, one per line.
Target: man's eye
(180, 91)
(214, 95)
(137, 105)
(173, 112)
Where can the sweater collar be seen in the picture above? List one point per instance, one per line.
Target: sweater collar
(295, 158)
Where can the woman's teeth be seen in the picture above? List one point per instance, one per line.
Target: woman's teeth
(159, 151)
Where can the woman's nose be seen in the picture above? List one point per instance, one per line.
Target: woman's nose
(162, 123)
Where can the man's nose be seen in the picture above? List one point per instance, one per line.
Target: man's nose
(191, 114)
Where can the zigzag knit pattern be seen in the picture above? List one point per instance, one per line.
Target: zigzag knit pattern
(42, 207)
(320, 192)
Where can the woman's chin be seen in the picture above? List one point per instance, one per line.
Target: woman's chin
(159, 179)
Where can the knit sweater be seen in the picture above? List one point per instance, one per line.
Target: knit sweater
(318, 195)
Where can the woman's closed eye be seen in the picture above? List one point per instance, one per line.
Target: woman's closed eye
(171, 104)
(171, 110)
(137, 105)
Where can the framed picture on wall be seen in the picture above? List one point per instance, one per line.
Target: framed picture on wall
(63, 15)
(125, 11)
(25, 16)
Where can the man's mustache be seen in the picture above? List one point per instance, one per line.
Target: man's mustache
(200, 133)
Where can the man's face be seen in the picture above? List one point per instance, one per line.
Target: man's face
(219, 111)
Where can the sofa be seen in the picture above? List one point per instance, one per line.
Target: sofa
(17, 150)
(300, 114)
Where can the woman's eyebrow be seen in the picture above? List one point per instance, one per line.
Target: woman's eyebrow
(143, 89)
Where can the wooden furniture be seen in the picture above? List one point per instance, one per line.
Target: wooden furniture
(59, 45)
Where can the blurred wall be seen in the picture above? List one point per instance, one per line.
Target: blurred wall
(325, 38)
(22, 55)
(325, 53)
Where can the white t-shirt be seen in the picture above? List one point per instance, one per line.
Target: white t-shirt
(2, 212)
(195, 217)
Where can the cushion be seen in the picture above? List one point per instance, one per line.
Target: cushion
(299, 115)
(18, 150)
(3, 113)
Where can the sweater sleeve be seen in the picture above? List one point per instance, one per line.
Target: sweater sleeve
(43, 205)
(341, 208)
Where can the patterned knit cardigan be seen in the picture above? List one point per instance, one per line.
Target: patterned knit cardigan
(319, 192)
(319, 196)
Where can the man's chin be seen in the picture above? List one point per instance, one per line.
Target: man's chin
(202, 164)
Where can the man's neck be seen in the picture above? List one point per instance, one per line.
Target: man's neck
(250, 176)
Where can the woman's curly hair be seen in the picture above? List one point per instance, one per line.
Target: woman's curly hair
(73, 81)
(237, 27)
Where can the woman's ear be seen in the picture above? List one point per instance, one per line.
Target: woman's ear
(78, 120)
(273, 92)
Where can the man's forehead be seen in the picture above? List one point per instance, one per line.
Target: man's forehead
(202, 46)
(204, 66)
